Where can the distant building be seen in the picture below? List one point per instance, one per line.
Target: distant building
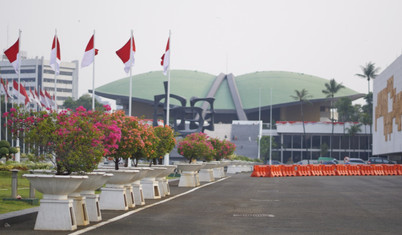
(37, 73)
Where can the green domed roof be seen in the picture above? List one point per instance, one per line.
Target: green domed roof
(193, 83)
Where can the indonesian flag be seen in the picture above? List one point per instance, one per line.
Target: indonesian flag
(13, 55)
(43, 100)
(33, 97)
(4, 84)
(165, 58)
(49, 100)
(90, 53)
(126, 54)
(21, 93)
(55, 57)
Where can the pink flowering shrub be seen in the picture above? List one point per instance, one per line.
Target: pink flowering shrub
(77, 140)
(196, 147)
(223, 148)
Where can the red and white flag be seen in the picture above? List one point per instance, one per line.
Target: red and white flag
(49, 100)
(33, 97)
(43, 100)
(166, 58)
(126, 54)
(55, 57)
(21, 94)
(4, 84)
(90, 53)
(13, 54)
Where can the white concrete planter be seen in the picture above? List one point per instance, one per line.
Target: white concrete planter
(162, 180)
(86, 202)
(114, 194)
(189, 174)
(149, 184)
(56, 211)
(207, 172)
(137, 186)
(233, 168)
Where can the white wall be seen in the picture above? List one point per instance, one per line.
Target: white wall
(389, 142)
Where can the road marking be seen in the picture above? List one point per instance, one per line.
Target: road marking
(142, 208)
(263, 200)
(254, 215)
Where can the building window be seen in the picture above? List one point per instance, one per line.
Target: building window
(297, 141)
(287, 141)
(316, 142)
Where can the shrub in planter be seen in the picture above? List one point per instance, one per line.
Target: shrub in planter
(223, 148)
(149, 142)
(6, 150)
(196, 147)
(166, 143)
(75, 139)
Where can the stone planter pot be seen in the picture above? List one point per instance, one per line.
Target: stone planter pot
(206, 173)
(163, 181)
(56, 211)
(189, 174)
(85, 201)
(233, 167)
(114, 194)
(149, 184)
(137, 186)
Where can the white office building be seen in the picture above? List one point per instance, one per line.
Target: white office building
(37, 73)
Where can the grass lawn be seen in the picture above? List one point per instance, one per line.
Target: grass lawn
(5, 192)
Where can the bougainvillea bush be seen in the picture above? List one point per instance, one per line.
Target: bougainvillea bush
(223, 148)
(77, 139)
(196, 147)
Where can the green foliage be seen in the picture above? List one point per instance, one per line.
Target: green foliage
(6, 150)
(9, 165)
(196, 146)
(222, 148)
(264, 147)
(84, 101)
(324, 149)
(166, 142)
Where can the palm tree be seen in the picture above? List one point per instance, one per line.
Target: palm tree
(331, 89)
(302, 96)
(352, 132)
(369, 72)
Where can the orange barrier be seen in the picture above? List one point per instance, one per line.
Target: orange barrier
(303, 170)
(366, 170)
(256, 171)
(342, 170)
(390, 169)
(328, 170)
(399, 169)
(316, 170)
(353, 169)
(266, 171)
(276, 171)
(378, 169)
(288, 170)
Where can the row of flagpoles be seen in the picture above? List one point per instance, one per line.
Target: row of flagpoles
(126, 54)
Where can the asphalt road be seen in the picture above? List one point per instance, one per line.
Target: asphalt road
(241, 204)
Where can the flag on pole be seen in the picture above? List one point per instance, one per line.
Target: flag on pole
(55, 57)
(126, 54)
(90, 53)
(165, 58)
(21, 93)
(43, 100)
(33, 97)
(4, 88)
(49, 100)
(13, 54)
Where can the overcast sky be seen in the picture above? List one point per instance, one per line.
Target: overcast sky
(329, 39)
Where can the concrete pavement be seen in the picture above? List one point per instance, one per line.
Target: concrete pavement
(241, 204)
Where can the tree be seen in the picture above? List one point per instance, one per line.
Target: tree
(84, 101)
(167, 141)
(352, 132)
(302, 96)
(6, 150)
(331, 89)
(369, 72)
(264, 143)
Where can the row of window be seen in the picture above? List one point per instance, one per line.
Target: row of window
(60, 81)
(316, 142)
(61, 72)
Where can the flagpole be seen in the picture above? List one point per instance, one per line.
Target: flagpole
(167, 158)
(131, 78)
(93, 78)
(55, 71)
(17, 155)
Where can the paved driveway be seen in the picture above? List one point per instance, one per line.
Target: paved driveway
(245, 205)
